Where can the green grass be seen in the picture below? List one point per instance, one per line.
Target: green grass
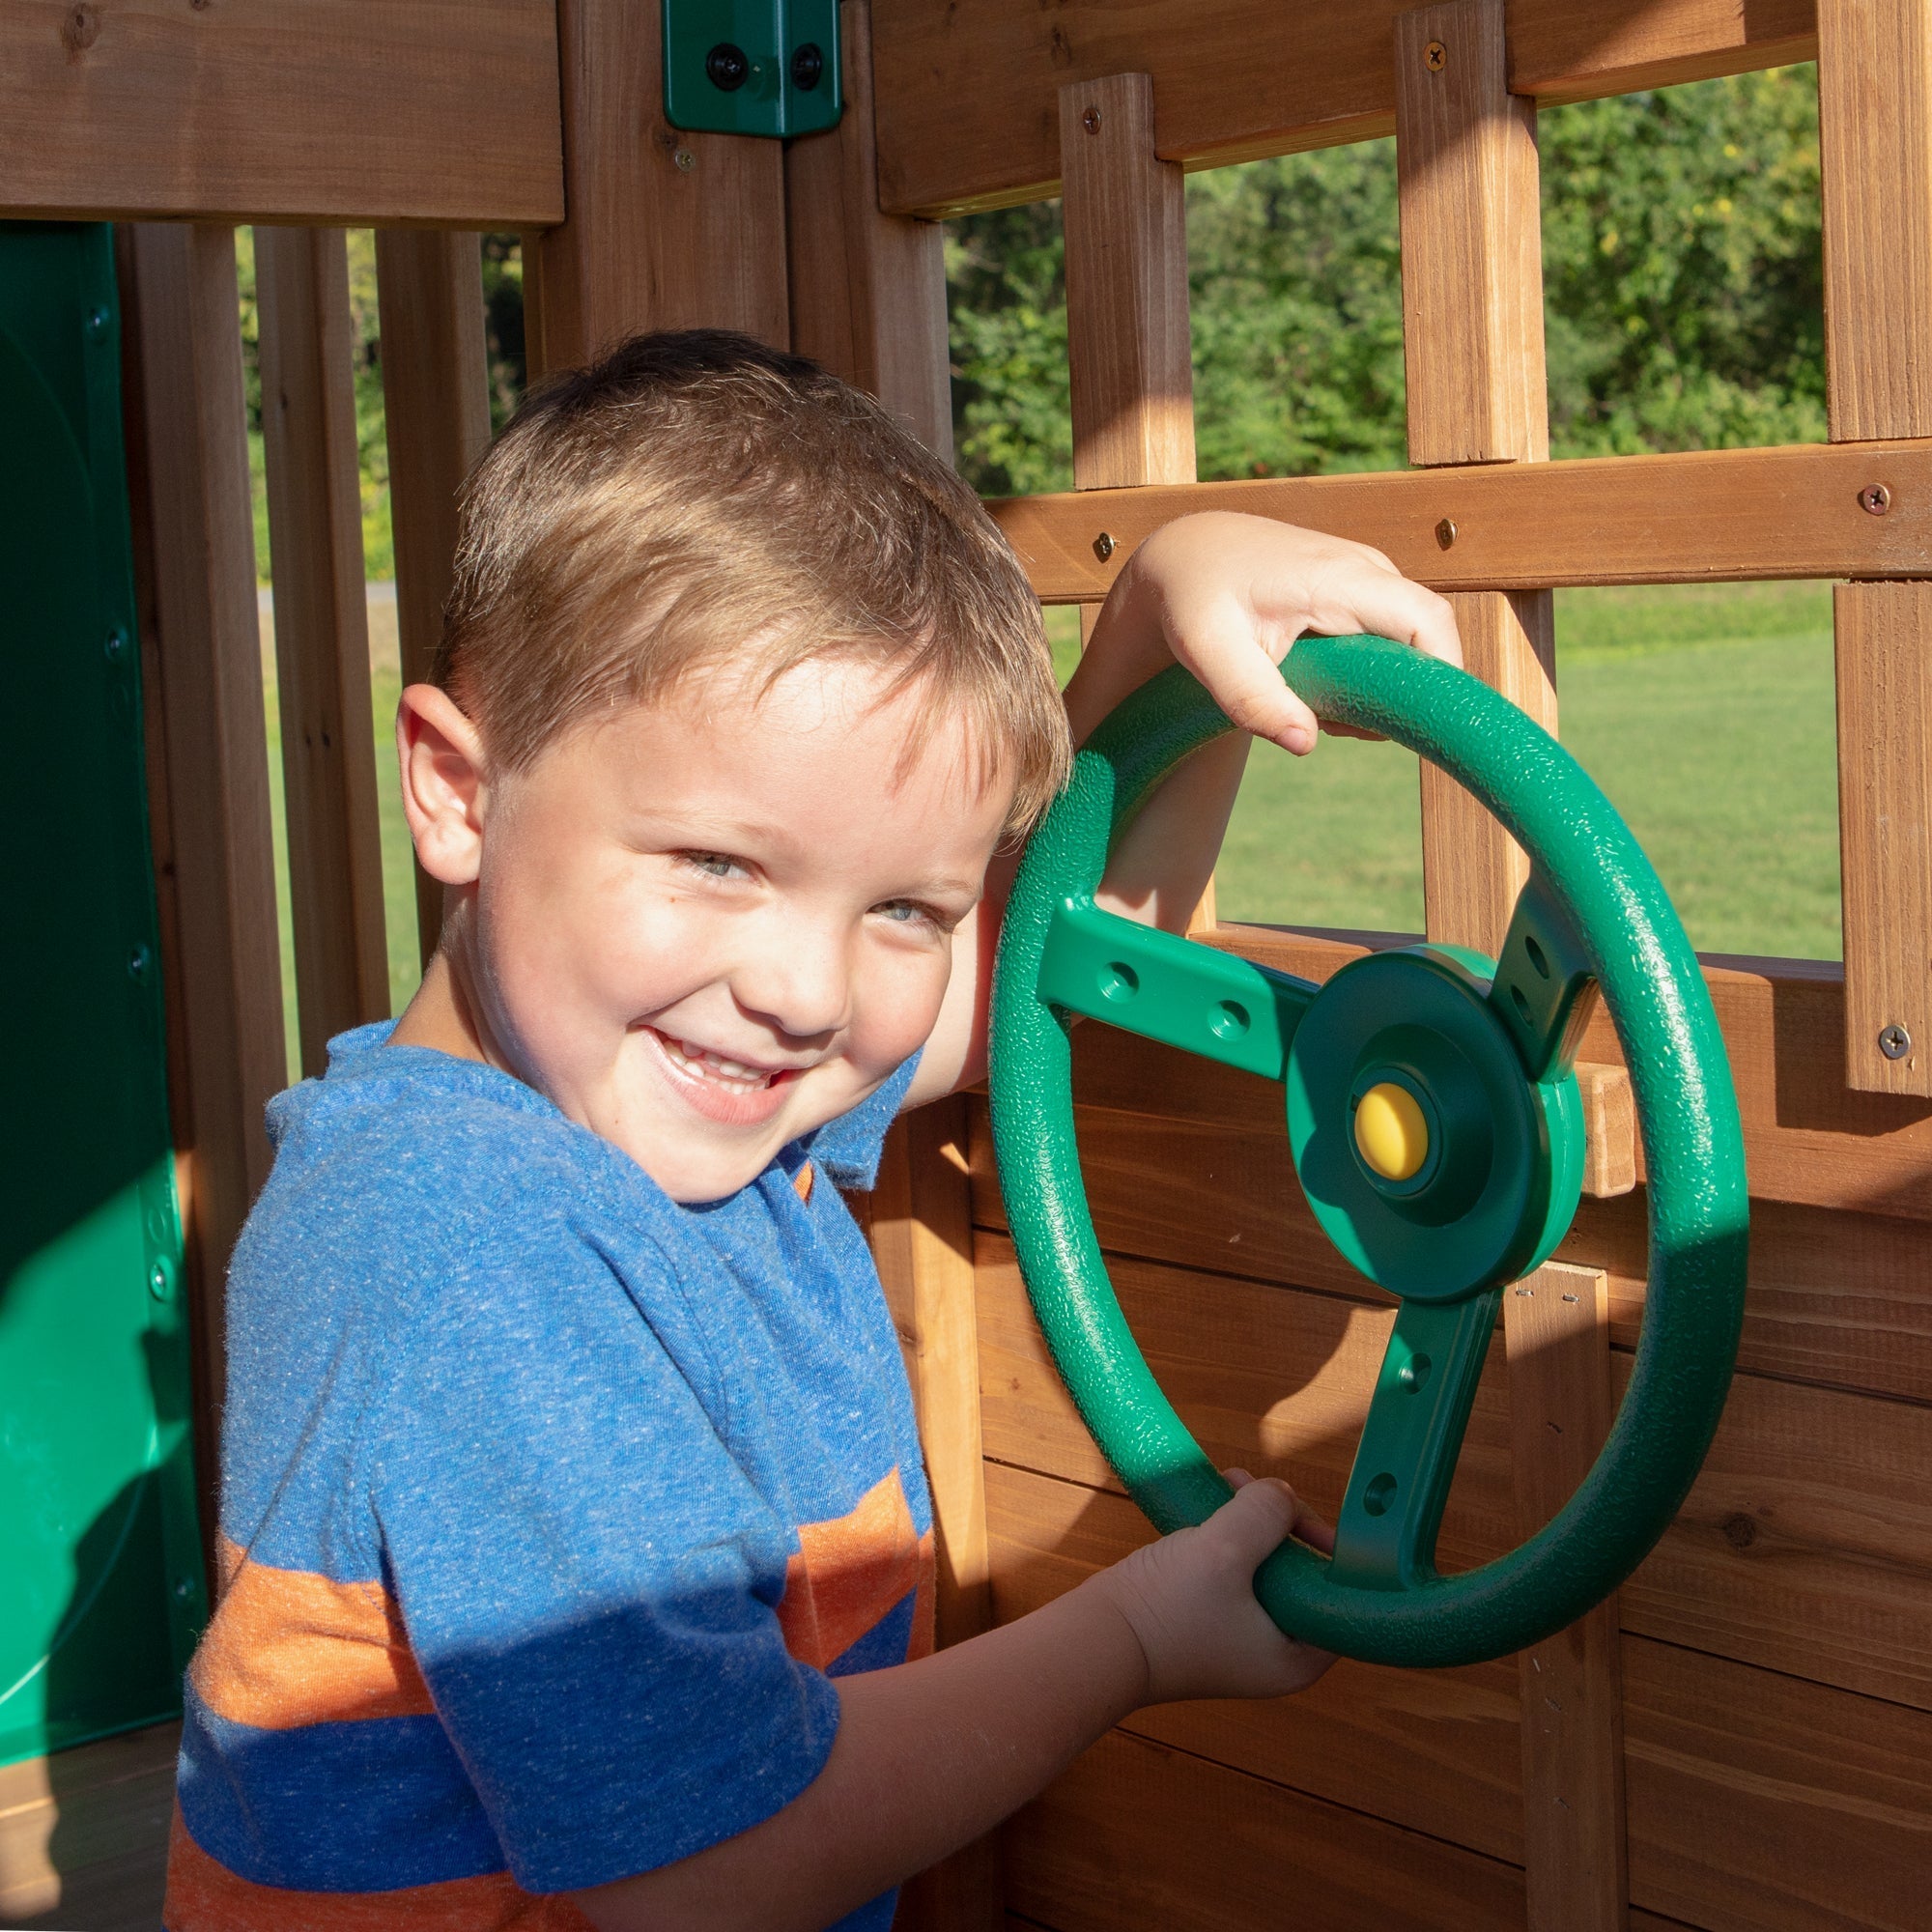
(1705, 713)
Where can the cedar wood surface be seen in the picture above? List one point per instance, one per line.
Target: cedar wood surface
(1777, 1704)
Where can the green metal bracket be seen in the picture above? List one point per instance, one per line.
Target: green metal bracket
(752, 66)
(1167, 989)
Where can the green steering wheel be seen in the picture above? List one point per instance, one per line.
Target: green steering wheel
(1435, 1122)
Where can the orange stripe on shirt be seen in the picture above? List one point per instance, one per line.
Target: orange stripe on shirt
(286, 1648)
(205, 1896)
(850, 1572)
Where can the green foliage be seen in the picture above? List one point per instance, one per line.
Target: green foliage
(1682, 289)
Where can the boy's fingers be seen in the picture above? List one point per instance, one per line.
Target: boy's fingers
(1395, 607)
(1220, 647)
(1236, 1479)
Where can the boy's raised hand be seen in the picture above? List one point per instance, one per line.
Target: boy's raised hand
(1190, 1600)
(1226, 595)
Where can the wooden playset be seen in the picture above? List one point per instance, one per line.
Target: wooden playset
(1739, 1738)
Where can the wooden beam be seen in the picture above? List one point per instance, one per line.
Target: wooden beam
(1688, 517)
(665, 229)
(202, 679)
(436, 401)
(1557, 1327)
(920, 1228)
(867, 290)
(281, 110)
(322, 634)
(1875, 153)
(967, 94)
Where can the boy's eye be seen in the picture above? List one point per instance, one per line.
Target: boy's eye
(910, 912)
(713, 864)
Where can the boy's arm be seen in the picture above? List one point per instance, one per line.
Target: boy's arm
(1227, 596)
(930, 1755)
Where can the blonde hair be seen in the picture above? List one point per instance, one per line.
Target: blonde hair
(695, 497)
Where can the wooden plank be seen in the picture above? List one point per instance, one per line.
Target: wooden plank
(1609, 1126)
(281, 110)
(665, 229)
(1701, 516)
(1471, 241)
(84, 1833)
(436, 404)
(1138, 1836)
(1805, 1547)
(322, 634)
(967, 94)
(1875, 154)
(1837, 1299)
(1761, 1803)
(1433, 1751)
(1556, 1325)
(1884, 832)
(867, 290)
(919, 1224)
(202, 680)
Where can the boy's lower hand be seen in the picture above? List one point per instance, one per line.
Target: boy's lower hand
(1190, 1600)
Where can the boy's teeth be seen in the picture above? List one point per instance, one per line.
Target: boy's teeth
(715, 1063)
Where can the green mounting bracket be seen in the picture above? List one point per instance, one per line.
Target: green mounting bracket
(752, 66)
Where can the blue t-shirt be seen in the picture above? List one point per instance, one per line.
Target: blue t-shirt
(549, 1506)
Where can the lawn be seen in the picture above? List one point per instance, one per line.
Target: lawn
(1705, 713)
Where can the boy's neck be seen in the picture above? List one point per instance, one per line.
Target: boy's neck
(441, 1015)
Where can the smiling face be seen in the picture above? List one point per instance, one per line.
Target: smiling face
(706, 926)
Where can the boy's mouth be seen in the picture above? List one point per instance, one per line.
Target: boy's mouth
(701, 1063)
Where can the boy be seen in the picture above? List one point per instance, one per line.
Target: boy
(576, 1546)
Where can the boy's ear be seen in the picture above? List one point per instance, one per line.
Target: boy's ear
(444, 793)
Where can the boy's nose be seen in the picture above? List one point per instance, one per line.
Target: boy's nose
(800, 982)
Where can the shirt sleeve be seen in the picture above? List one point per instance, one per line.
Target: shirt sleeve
(849, 1147)
(587, 1580)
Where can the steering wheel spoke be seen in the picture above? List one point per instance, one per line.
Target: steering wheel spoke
(1167, 989)
(1546, 989)
(1385, 1536)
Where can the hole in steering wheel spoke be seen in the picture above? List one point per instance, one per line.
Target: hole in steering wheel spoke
(1118, 980)
(1379, 1495)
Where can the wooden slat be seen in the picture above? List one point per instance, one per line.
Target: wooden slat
(867, 290)
(1688, 517)
(1836, 1298)
(322, 634)
(967, 93)
(281, 110)
(1140, 1838)
(1761, 1803)
(1434, 1751)
(665, 229)
(1884, 831)
(1471, 241)
(918, 1220)
(1556, 1325)
(202, 679)
(1875, 156)
(84, 1835)
(1609, 1127)
(1805, 1545)
(436, 404)
(1747, 1789)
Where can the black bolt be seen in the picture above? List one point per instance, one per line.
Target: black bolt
(807, 64)
(1874, 500)
(1894, 1042)
(727, 68)
(1104, 546)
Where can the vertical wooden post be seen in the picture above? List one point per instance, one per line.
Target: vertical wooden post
(1875, 149)
(867, 290)
(436, 403)
(202, 680)
(1554, 1326)
(1472, 314)
(322, 633)
(1130, 362)
(665, 229)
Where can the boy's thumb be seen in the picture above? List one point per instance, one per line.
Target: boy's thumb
(1261, 1515)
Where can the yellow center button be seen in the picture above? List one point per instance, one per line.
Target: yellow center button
(1390, 1133)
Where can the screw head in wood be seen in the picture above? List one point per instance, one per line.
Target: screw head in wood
(1104, 546)
(1435, 57)
(1875, 499)
(685, 160)
(1445, 533)
(1895, 1043)
(1091, 119)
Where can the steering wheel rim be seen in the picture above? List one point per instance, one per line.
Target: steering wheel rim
(1687, 1112)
